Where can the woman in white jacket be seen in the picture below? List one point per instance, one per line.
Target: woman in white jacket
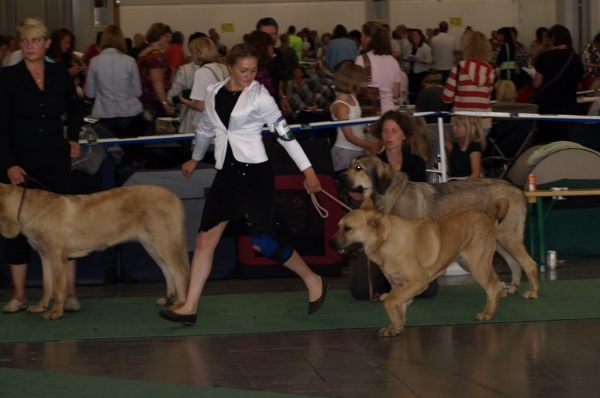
(235, 112)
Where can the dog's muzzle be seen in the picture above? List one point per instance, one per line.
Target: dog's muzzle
(346, 249)
(348, 185)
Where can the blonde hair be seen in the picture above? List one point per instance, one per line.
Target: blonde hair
(32, 27)
(349, 77)
(474, 45)
(418, 142)
(203, 49)
(138, 40)
(505, 91)
(433, 78)
(112, 37)
(474, 130)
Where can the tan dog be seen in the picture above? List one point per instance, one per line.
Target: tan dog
(413, 252)
(60, 227)
(392, 193)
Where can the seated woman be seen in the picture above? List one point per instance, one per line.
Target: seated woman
(393, 129)
(300, 95)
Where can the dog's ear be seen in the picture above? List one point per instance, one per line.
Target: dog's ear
(367, 204)
(375, 219)
(381, 177)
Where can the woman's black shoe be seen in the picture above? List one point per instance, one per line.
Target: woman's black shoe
(188, 320)
(313, 306)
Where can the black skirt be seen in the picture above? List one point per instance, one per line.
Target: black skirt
(241, 190)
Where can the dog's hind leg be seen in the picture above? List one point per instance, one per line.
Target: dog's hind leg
(517, 251)
(515, 269)
(479, 254)
(172, 259)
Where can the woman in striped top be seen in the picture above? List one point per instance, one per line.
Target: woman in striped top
(471, 81)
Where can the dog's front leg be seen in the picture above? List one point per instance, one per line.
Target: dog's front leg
(59, 283)
(395, 305)
(47, 287)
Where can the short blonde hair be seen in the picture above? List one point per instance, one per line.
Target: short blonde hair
(474, 130)
(203, 49)
(506, 91)
(32, 27)
(349, 77)
(113, 38)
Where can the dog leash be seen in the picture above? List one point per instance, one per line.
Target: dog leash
(324, 214)
(27, 179)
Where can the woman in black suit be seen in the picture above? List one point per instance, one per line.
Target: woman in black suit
(35, 95)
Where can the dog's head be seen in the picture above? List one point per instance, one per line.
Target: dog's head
(9, 227)
(370, 175)
(356, 229)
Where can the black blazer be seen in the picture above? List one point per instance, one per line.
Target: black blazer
(30, 118)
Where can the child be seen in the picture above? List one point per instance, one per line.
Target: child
(465, 152)
(350, 141)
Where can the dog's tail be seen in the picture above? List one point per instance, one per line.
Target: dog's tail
(499, 210)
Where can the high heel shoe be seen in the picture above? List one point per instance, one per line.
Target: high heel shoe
(313, 306)
(188, 320)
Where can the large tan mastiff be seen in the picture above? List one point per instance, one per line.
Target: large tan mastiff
(392, 193)
(60, 227)
(413, 252)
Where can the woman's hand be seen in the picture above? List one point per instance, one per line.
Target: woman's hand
(311, 181)
(169, 110)
(188, 168)
(372, 148)
(75, 149)
(16, 175)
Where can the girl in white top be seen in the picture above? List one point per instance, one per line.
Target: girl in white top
(350, 141)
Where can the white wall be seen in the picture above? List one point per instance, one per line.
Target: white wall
(189, 18)
(482, 15)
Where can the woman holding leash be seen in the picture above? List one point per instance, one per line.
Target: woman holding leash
(235, 111)
(34, 96)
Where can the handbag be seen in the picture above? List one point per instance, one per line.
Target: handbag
(536, 95)
(368, 96)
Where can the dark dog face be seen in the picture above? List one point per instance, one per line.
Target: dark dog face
(367, 174)
(356, 229)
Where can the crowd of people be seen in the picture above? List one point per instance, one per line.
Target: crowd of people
(229, 94)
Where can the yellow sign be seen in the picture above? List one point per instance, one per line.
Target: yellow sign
(456, 21)
(227, 28)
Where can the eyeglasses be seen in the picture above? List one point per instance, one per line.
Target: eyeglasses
(34, 40)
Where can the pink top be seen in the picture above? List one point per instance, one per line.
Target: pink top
(385, 71)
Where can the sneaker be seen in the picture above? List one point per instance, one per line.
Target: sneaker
(14, 306)
(72, 305)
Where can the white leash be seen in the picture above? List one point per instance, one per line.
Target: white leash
(320, 209)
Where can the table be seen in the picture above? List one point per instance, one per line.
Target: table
(538, 216)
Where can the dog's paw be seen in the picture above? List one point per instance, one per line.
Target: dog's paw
(36, 309)
(164, 301)
(530, 294)
(50, 315)
(390, 331)
(504, 291)
(512, 288)
(484, 316)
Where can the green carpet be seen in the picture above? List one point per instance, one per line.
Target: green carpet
(25, 383)
(281, 312)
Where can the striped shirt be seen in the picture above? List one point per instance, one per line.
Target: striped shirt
(476, 82)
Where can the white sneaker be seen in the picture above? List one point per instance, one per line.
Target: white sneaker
(72, 305)
(14, 306)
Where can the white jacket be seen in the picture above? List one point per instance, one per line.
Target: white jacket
(253, 110)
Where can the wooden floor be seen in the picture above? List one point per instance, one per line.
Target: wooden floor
(540, 359)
